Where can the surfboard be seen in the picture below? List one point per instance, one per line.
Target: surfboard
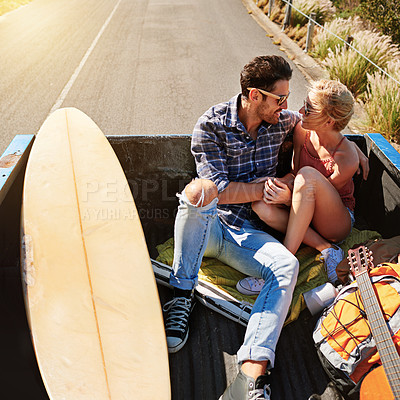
(90, 292)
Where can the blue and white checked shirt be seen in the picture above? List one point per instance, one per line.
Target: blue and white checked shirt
(224, 152)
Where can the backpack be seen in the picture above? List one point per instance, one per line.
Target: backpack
(342, 334)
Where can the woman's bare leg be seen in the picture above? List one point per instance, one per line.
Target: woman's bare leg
(315, 200)
(278, 217)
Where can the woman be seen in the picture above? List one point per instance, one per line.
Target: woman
(314, 204)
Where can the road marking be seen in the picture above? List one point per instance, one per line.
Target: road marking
(74, 76)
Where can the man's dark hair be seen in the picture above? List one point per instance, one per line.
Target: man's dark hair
(263, 72)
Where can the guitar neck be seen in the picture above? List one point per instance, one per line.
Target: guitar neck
(380, 331)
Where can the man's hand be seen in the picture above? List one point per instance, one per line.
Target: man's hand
(277, 192)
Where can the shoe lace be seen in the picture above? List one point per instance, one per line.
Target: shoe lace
(331, 260)
(331, 269)
(260, 394)
(178, 313)
(258, 282)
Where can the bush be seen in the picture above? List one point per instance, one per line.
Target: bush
(351, 68)
(323, 8)
(278, 11)
(347, 8)
(382, 102)
(386, 14)
(341, 27)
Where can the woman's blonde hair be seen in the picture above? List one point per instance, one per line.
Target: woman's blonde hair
(332, 100)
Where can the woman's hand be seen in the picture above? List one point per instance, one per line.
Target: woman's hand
(276, 191)
(363, 163)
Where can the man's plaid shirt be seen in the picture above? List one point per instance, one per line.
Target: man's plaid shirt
(224, 152)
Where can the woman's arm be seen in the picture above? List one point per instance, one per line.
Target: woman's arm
(299, 137)
(347, 162)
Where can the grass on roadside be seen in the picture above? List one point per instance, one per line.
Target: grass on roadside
(341, 27)
(382, 102)
(351, 69)
(347, 8)
(9, 5)
(323, 9)
(297, 29)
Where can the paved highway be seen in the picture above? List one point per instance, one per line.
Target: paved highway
(134, 66)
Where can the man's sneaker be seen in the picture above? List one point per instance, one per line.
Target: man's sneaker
(332, 257)
(245, 388)
(177, 321)
(250, 285)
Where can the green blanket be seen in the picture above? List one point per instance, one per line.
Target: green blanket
(311, 272)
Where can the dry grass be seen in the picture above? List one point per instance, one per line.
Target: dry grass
(323, 9)
(9, 5)
(298, 34)
(341, 27)
(351, 69)
(383, 102)
(297, 29)
(277, 12)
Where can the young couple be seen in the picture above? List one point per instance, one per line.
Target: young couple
(314, 203)
(235, 146)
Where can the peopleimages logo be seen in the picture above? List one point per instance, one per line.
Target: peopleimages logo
(112, 213)
(141, 189)
(108, 201)
(108, 213)
(105, 192)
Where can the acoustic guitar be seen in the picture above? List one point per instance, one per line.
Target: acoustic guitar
(382, 383)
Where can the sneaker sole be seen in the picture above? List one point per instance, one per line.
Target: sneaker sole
(246, 292)
(175, 349)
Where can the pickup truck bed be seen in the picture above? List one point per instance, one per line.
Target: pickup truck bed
(157, 167)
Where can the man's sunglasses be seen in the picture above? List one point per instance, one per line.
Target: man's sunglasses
(281, 98)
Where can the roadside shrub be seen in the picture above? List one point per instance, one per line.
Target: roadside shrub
(341, 27)
(297, 33)
(261, 3)
(351, 69)
(277, 12)
(347, 8)
(382, 102)
(324, 10)
(386, 14)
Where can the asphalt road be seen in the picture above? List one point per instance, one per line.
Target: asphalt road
(134, 66)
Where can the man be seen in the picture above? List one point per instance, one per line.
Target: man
(234, 145)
